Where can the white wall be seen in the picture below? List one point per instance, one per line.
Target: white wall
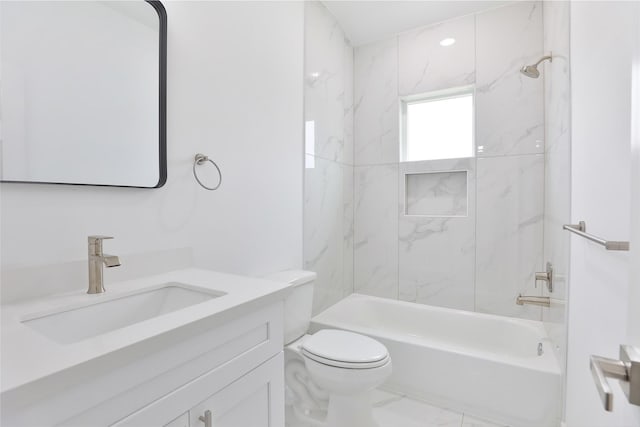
(601, 56)
(234, 93)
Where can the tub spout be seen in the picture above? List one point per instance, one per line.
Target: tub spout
(526, 299)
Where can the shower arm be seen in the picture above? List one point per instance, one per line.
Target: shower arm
(544, 58)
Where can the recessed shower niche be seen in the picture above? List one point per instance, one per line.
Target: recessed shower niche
(441, 194)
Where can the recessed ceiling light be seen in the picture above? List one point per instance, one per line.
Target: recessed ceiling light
(447, 42)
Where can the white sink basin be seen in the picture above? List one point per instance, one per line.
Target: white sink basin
(96, 318)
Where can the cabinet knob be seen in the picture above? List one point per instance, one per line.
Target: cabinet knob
(206, 419)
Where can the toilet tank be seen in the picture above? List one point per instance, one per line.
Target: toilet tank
(297, 306)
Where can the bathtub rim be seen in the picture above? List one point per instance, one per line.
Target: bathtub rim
(548, 364)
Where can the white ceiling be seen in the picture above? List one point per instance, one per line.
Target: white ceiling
(368, 21)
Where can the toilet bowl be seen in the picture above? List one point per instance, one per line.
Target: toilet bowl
(348, 366)
(330, 374)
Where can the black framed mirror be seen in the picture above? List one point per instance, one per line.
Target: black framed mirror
(83, 92)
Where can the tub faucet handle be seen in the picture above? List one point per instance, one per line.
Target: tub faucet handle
(545, 276)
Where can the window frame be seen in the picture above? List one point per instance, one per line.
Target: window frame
(438, 95)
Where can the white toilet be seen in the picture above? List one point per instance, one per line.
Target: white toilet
(343, 366)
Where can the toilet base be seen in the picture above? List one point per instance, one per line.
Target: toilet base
(344, 411)
(350, 411)
(348, 391)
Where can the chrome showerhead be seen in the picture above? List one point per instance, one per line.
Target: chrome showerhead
(532, 70)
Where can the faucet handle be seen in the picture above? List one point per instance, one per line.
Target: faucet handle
(93, 239)
(545, 276)
(95, 244)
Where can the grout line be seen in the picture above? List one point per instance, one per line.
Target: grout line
(388, 400)
(329, 160)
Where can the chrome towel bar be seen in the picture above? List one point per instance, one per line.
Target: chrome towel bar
(581, 230)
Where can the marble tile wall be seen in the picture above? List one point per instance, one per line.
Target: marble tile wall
(376, 230)
(375, 93)
(328, 179)
(557, 86)
(481, 260)
(435, 193)
(437, 254)
(426, 66)
(509, 106)
(376, 171)
(509, 235)
(509, 147)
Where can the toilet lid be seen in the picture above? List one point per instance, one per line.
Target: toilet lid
(345, 349)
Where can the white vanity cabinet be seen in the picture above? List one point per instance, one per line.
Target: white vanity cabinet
(254, 400)
(230, 364)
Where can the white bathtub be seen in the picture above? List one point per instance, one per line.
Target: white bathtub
(480, 364)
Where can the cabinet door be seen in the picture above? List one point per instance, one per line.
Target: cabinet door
(255, 400)
(181, 421)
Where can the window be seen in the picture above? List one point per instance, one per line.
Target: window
(438, 125)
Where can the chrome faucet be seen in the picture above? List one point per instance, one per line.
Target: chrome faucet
(533, 300)
(96, 260)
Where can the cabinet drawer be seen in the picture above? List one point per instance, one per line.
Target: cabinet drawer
(254, 400)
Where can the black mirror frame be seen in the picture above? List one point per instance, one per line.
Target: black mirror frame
(162, 101)
(162, 90)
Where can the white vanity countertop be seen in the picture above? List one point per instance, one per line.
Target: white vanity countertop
(27, 356)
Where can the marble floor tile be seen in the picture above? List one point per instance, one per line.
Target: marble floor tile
(469, 421)
(397, 410)
(393, 410)
(381, 397)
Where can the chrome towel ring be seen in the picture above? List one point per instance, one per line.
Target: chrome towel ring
(199, 160)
